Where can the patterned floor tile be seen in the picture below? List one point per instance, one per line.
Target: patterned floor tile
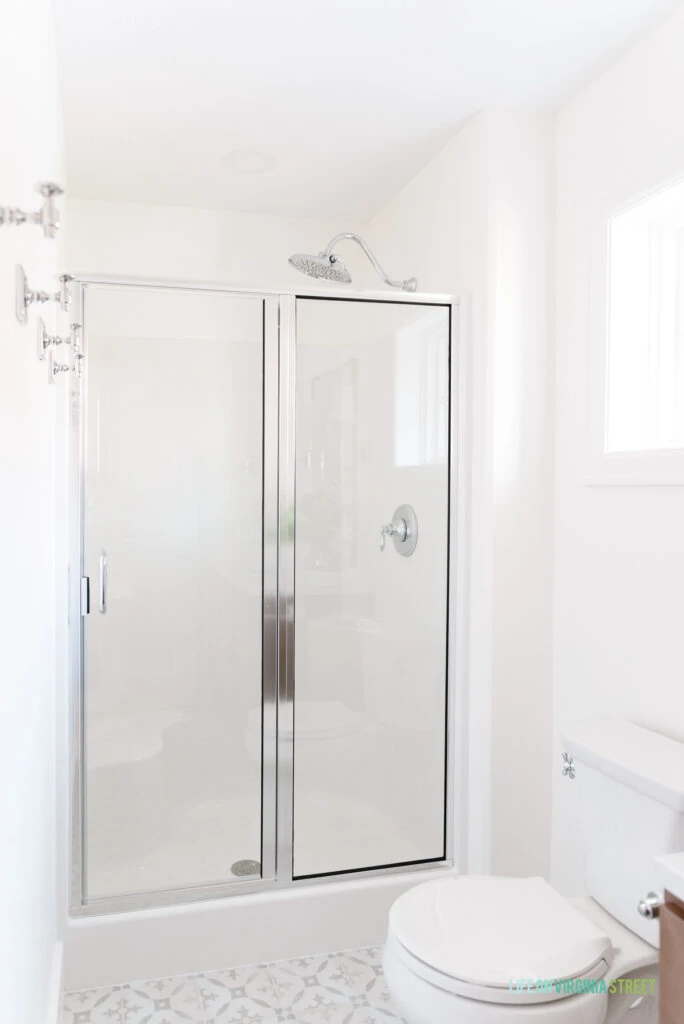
(323, 1012)
(347, 1013)
(93, 1006)
(164, 1001)
(378, 994)
(363, 969)
(312, 986)
(369, 1014)
(369, 954)
(336, 988)
(243, 994)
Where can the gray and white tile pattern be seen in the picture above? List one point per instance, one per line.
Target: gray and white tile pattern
(335, 988)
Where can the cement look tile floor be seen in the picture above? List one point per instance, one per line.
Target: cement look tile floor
(335, 988)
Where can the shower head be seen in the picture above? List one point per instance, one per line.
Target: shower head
(331, 267)
(328, 265)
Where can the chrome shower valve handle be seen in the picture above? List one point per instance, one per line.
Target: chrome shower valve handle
(403, 530)
(397, 528)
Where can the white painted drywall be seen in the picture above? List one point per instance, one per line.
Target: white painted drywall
(30, 151)
(184, 243)
(478, 222)
(343, 104)
(619, 551)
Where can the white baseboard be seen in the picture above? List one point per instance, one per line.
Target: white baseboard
(53, 1011)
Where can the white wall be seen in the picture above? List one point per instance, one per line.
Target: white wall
(477, 222)
(619, 551)
(521, 350)
(29, 152)
(241, 249)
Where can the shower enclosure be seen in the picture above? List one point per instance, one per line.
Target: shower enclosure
(263, 513)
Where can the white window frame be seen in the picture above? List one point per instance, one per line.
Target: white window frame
(654, 467)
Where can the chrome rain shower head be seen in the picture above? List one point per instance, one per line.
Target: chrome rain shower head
(331, 267)
(328, 265)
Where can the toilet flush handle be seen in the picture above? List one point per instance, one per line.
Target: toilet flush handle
(650, 906)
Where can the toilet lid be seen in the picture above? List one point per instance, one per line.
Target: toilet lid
(492, 932)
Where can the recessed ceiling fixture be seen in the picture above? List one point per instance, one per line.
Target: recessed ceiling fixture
(249, 161)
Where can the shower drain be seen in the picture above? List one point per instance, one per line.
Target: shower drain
(245, 867)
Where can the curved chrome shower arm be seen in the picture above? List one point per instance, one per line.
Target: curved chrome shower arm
(408, 286)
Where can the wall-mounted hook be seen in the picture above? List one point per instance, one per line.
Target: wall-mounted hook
(25, 296)
(45, 340)
(47, 216)
(55, 368)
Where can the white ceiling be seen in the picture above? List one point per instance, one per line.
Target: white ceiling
(348, 98)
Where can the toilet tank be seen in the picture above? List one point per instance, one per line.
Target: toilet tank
(631, 789)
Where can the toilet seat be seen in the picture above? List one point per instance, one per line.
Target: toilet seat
(476, 937)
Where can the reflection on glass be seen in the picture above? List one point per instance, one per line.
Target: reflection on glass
(330, 504)
(370, 627)
(421, 391)
(173, 670)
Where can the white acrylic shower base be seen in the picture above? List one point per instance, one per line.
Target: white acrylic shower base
(212, 935)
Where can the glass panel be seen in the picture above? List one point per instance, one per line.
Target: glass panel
(173, 493)
(372, 434)
(645, 341)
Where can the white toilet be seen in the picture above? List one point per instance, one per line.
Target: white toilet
(490, 950)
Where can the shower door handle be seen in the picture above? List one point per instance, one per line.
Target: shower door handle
(103, 583)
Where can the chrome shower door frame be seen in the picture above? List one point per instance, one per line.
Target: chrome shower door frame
(279, 384)
(80, 903)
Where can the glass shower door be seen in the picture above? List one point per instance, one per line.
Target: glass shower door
(370, 608)
(173, 497)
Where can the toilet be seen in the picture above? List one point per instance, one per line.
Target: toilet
(493, 950)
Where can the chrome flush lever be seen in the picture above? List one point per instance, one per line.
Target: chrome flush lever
(650, 906)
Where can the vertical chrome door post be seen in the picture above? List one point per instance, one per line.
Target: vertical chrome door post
(269, 750)
(77, 618)
(286, 620)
